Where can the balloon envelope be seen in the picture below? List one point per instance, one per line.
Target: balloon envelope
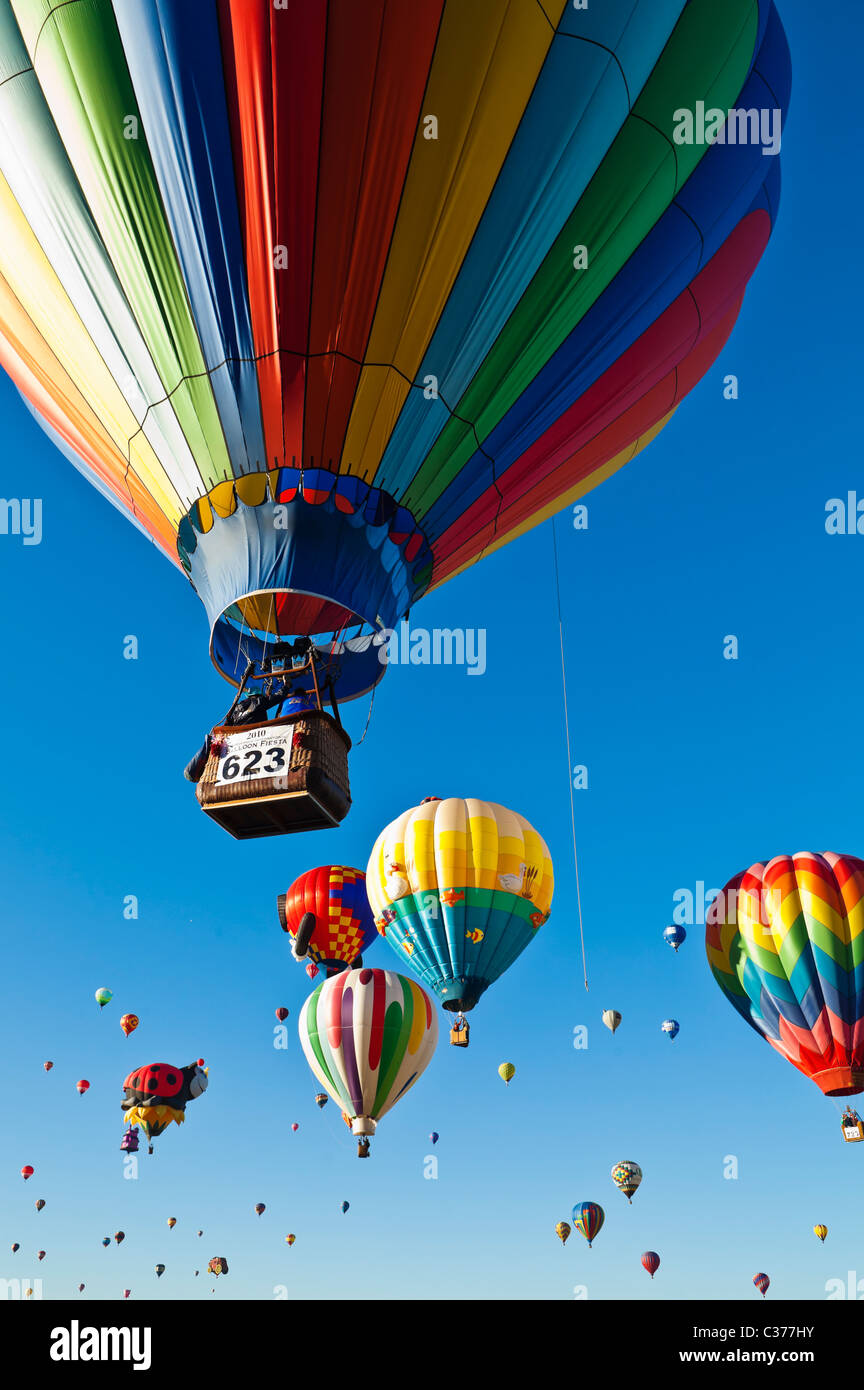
(627, 1176)
(507, 1071)
(234, 314)
(335, 896)
(783, 942)
(762, 1283)
(103, 996)
(672, 1027)
(562, 1231)
(459, 889)
(129, 1022)
(368, 1035)
(821, 1232)
(675, 936)
(651, 1262)
(611, 1018)
(588, 1217)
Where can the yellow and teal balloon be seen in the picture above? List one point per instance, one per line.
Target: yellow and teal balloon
(103, 996)
(368, 1036)
(459, 889)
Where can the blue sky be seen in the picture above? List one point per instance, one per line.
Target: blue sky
(697, 766)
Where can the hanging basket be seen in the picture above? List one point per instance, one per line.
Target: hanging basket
(277, 777)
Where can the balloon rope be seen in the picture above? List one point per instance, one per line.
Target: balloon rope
(569, 754)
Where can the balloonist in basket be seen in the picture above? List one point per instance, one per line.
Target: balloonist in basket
(326, 365)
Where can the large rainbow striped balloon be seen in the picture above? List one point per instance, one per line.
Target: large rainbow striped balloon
(368, 1035)
(334, 298)
(785, 941)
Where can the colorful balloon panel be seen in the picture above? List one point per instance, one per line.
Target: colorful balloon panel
(368, 1035)
(336, 897)
(240, 270)
(785, 942)
(459, 889)
(588, 1218)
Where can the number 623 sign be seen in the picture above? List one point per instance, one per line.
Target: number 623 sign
(255, 753)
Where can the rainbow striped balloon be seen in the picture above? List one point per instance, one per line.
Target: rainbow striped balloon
(785, 941)
(368, 1035)
(588, 1217)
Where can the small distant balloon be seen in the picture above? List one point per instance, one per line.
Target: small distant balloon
(160, 1270)
(40, 1204)
(200, 1233)
(507, 1071)
(82, 1086)
(126, 1293)
(611, 1018)
(259, 1207)
(103, 996)
(562, 1231)
(821, 1232)
(107, 1240)
(27, 1171)
(295, 1127)
(321, 1099)
(670, 1026)
(80, 1288)
(345, 1206)
(762, 1283)
(588, 1218)
(433, 1137)
(119, 1237)
(627, 1176)
(40, 1254)
(311, 970)
(47, 1065)
(651, 1262)
(16, 1247)
(129, 1022)
(218, 1265)
(289, 1240)
(172, 1222)
(281, 1014)
(676, 936)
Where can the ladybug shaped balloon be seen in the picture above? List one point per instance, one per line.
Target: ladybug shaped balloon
(157, 1095)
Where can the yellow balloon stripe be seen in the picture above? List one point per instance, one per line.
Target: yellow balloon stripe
(487, 59)
(34, 283)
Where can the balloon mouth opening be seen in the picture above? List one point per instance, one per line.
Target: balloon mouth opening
(840, 1081)
(458, 996)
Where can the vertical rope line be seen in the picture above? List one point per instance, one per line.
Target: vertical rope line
(569, 754)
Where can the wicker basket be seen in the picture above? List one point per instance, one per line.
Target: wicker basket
(310, 791)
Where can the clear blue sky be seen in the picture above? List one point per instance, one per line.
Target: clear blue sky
(697, 767)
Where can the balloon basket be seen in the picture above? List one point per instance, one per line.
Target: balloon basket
(459, 1036)
(278, 777)
(853, 1134)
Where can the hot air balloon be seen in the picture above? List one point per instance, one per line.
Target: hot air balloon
(627, 1176)
(81, 1288)
(157, 1095)
(670, 1026)
(103, 996)
(289, 1240)
(126, 1293)
(129, 1142)
(562, 1231)
(260, 1207)
(312, 970)
(15, 1248)
(651, 1262)
(433, 1137)
(588, 1218)
(675, 936)
(295, 1127)
(507, 1071)
(821, 1232)
(82, 1086)
(429, 378)
(160, 1270)
(612, 1019)
(368, 1035)
(281, 1014)
(107, 1240)
(218, 1265)
(459, 889)
(762, 1283)
(345, 1206)
(129, 1022)
(783, 944)
(172, 1222)
(40, 1254)
(47, 1065)
(27, 1171)
(40, 1204)
(327, 915)
(200, 1233)
(119, 1237)
(321, 1099)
